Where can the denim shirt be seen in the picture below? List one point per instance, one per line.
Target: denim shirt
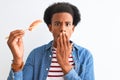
(38, 63)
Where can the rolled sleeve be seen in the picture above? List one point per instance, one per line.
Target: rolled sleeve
(15, 75)
(72, 75)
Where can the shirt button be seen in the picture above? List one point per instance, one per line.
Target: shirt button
(12, 77)
(46, 69)
(50, 56)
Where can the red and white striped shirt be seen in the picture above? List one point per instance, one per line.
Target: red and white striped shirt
(55, 71)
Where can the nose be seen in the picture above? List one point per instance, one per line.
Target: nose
(62, 28)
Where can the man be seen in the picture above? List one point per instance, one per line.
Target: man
(60, 59)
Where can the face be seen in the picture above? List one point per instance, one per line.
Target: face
(61, 23)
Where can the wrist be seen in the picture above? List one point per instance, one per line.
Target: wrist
(17, 61)
(66, 69)
(17, 67)
(17, 64)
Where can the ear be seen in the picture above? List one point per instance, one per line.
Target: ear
(73, 28)
(50, 27)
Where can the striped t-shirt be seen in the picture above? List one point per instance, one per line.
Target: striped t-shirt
(55, 71)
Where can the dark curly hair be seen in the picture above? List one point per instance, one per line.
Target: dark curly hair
(62, 7)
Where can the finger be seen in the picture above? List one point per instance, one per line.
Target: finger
(67, 40)
(16, 32)
(14, 35)
(61, 40)
(15, 40)
(20, 41)
(64, 41)
(68, 44)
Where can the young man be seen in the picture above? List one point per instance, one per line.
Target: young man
(60, 59)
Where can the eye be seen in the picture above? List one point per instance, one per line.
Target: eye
(57, 24)
(68, 24)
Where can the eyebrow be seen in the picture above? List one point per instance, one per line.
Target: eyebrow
(60, 22)
(57, 22)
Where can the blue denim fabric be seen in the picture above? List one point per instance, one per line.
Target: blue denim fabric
(38, 64)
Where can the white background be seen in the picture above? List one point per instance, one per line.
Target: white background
(98, 31)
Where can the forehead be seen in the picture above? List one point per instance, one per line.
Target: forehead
(62, 16)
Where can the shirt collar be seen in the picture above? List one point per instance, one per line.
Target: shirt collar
(49, 45)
